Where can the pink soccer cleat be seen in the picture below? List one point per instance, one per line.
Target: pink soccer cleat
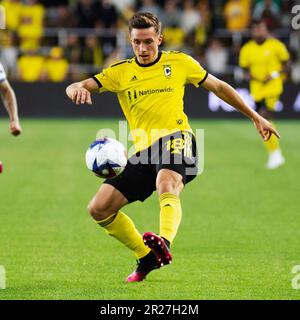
(159, 256)
(145, 265)
(137, 276)
(158, 247)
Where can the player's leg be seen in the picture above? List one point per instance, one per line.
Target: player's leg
(146, 183)
(169, 185)
(178, 167)
(272, 145)
(136, 182)
(106, 202)
(178, 158)
(171, 176)
(105, 209)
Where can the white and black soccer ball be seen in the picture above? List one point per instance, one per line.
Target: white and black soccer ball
(106, 157)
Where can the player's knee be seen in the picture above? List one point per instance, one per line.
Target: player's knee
(173, 188)
(99, 211)
(170, 183)
(166, 186)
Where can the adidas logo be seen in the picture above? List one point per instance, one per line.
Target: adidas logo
(134, 78)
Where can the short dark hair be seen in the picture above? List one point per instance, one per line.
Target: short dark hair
(143, 20)
(256, 22)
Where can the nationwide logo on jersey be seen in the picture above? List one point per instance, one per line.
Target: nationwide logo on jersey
(134, 94)
(167, 70)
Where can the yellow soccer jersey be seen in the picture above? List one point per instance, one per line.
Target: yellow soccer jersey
(262, 60)
(151, 96)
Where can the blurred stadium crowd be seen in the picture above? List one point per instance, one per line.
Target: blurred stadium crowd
(57, 40)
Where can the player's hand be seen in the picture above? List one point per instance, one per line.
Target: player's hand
(15, 128)
(81, 96)
(264, 127)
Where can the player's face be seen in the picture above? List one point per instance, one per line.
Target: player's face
(259, 32)
(145, 43)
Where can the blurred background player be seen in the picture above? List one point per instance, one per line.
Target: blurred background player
(265, 61)
(10, 102)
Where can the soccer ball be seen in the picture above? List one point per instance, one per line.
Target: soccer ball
(106, 157)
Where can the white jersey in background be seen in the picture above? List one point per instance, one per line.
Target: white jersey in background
(2, 73)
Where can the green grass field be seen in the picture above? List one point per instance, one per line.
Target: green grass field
(239, 237)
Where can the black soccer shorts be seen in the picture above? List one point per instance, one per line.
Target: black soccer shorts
(176, 152)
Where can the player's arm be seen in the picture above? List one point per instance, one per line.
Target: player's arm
(283, 57)
(10, 102)
(285, 69)
(276, 74)
(80, 92)
(225, 92)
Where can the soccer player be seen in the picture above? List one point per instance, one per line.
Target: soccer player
(10, 102)
(265, 61)
(150, 89)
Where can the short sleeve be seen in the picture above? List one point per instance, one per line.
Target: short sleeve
(283, 53)
(107, 80)
(195, 74)
(243, 58)
(2, 73)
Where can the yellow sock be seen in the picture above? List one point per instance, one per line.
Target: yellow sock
(121, 227)
(272, 144)
(170, 215)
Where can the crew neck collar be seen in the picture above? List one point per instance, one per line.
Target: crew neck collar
(151, 63)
